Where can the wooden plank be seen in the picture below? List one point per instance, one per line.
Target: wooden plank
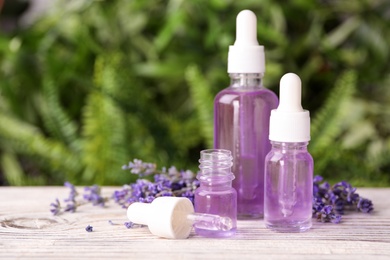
(28, 230)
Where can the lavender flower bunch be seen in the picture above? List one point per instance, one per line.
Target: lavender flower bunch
(171, 182)
(330, 202)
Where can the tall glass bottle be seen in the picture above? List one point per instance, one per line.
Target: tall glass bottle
(215, 194)
(241, 117)
(289, 166)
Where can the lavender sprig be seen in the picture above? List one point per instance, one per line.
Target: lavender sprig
(71, 205)
(129, 224)
(91, 194)
(55, 207)
(171, 182)
(325, 213)
(330, 202)
(140, 168)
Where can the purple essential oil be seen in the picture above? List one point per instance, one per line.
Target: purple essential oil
(242, 114)
(289, 187)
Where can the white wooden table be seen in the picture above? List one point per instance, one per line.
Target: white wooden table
(28, 230)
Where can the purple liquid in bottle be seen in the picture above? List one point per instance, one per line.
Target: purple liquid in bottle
(288, 187)
(241, 125)
(215, 194)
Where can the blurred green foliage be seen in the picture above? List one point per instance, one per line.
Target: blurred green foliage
(94, 84)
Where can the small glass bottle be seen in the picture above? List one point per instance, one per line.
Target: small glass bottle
(289, 166)
(215, 194)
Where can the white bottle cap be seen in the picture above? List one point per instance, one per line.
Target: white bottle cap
(165, 216)
(246, 55)
(290, 122)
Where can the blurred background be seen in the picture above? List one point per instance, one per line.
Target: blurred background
(87, 86)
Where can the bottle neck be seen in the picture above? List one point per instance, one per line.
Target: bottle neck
(246, 80)
(284, 146)
(215, 168)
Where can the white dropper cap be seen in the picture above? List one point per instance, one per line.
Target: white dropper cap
(290, 122)
(165, 216)
(246, 55)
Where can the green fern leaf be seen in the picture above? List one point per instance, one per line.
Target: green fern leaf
(29, 140)
(55, 118)
(378, 154)
(327, 122)
(203, 101)
(13, 172)
(104, 129)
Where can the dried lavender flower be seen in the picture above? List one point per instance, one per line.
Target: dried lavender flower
(140, 168)
(365, 205)
(129, 224)
(72, 194)
(171, 182)
(92, 194)
(56, 207)
(71, 207)
(330, 202)
(325, 213)
(89, 228)
(70, 201)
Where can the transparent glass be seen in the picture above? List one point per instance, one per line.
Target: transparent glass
(241, 125)
(288, 187)
(210, 222)
(215, 194)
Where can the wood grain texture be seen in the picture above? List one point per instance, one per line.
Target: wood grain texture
(28, 230)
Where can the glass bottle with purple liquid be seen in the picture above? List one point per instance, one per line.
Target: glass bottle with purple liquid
(241, 117)
(289, 166)
(215, 194)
